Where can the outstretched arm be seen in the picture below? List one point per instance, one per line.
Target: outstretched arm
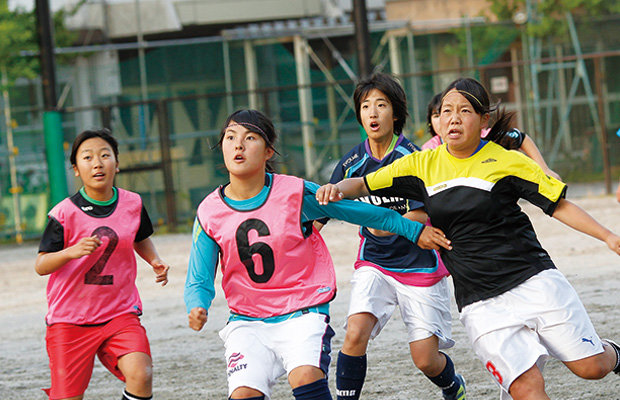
(575, 217)
(531, 150)
(350, 188)
(363, 214)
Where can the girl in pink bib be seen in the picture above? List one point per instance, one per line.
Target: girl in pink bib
(87, 249)
(277, 274)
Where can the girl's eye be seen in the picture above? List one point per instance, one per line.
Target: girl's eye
(364, 106)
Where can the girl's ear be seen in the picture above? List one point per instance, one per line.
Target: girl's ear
(485, 121)
(75, 170)
(269, 152)
(117, 169)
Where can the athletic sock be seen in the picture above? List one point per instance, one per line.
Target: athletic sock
(317, 390)
(350, 375)
(129, 396)
(614, 346)
(446, 379)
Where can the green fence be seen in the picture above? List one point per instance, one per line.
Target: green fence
(167, 124)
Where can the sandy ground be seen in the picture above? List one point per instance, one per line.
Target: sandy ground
(190, 365)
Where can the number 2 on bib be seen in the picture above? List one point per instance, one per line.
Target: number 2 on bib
(93, 276)
(246, 250)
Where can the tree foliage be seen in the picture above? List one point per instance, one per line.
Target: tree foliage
(548, 17)
(547, 20)
(18, 32)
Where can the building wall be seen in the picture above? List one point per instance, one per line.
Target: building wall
(429, 10)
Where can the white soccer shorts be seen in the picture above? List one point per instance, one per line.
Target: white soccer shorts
(541, 317)
(424, 310)
(258, 353)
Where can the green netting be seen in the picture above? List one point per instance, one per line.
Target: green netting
(188, 84)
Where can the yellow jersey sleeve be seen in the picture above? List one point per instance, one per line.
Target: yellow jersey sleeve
(383, 178)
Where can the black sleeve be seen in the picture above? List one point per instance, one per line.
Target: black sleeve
(146, 227)
(510, 140)
(53, 239)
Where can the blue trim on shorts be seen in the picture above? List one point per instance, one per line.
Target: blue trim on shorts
(326, 348)
(320, 309)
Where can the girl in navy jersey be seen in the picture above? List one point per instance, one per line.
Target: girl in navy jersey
(88, 251)
(277, 275)
(391, 271)
(517, 308)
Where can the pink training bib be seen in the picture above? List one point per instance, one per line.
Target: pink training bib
(268, 267)
(96, 288)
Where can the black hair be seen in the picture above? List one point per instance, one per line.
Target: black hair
(433, 108)
(389, 86)
(257, 122)
(478, 97)
(103, 133)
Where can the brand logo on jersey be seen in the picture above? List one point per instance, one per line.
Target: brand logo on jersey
(587, 340)
(346, 393)
(87, 208)
(489, 160)
(234, 359)
(234, 365)
(324, 289)
(350, 160)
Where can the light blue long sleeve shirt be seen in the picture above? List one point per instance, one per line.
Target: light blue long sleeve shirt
(203, 259)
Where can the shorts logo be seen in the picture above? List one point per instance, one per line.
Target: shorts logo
(323, 289)
(587, 340)
(233, 363)
(345, 393)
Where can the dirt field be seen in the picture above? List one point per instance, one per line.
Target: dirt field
(190, 365)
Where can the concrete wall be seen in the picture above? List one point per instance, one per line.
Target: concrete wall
(432, 10)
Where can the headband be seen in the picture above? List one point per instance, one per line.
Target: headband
(257, 129)
(464, 92)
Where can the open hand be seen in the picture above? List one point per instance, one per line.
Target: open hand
(433, 238)
(161, 271)
(327, 193)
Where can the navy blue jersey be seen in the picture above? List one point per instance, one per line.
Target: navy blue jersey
(393, 253)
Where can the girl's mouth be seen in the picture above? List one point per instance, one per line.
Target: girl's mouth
(374, 126)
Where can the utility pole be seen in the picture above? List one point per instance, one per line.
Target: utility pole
(52, 121)
(362, 38)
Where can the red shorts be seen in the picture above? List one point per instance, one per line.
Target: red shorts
(72, 348)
